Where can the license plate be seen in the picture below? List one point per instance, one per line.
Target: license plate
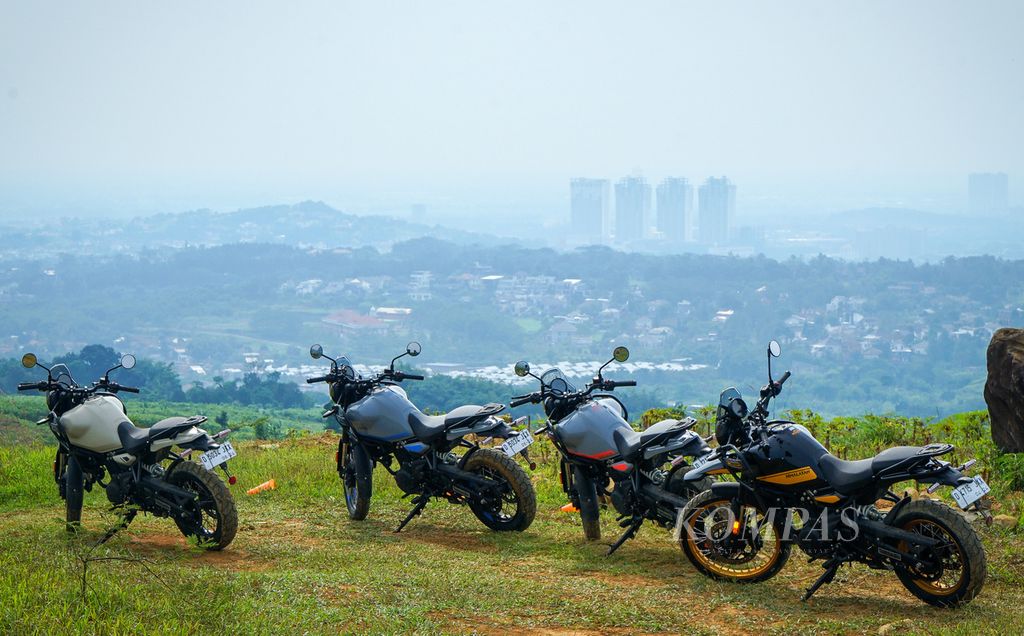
(213, 458)
(516, 444)
(700, 461)
(969, 493)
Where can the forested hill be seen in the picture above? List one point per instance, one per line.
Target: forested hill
(867, 336)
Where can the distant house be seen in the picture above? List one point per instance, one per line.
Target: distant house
(562, 335)
(351, 322)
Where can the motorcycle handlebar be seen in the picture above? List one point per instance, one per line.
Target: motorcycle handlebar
(127, 389)
(785, 376)
(29, 386)
(611, 384)
(322, 378)
(521, 400)
(409, 376)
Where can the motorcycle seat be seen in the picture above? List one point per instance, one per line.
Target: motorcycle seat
(630, 443)
(665, 426)
(170, 425)
(132, 437)
(849, 476)
(427, 428)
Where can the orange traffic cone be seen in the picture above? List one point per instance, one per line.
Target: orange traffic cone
(569, 508)
(267, 485)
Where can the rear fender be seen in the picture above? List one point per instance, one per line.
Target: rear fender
(489, 426)
(192, 438)
(689, 444)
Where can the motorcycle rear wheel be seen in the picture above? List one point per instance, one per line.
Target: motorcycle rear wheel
(214, 519)
(961, 567)
(518, 505)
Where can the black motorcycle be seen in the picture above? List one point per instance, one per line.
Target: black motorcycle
(646, 470)
(96, 439)
(789, 489)
(379, 425)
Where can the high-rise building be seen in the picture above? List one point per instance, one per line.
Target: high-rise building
(717, 203)
(988, 192)
(632, 207)
(675, 207)
(589, 208)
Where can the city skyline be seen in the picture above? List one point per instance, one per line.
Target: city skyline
(185, 121)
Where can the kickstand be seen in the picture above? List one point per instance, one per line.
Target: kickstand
(421, 503)
(831, 567)
(126, 519)
(630, 532)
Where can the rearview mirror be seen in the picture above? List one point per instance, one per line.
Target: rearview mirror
(127, 361)
(522, 368)
(774, 349)
(28, 360)
(316, 352)
(413, 348)
(620, 354)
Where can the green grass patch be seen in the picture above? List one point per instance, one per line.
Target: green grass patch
(298, 565)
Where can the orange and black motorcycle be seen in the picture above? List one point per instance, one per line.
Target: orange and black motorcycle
(789, 489)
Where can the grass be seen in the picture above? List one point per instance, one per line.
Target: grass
(298, 566)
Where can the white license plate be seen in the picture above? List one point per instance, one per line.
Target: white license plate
(515, 444)
(969, 493)
(213, 458)
(700, 461)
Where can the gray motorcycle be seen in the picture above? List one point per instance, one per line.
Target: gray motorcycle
(600, 449)
(379, 425)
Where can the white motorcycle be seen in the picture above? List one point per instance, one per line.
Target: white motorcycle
(97, 439)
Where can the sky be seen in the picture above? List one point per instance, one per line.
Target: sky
(125, 107)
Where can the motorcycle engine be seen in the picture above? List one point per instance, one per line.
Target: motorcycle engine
(119, 488)
(814, 543)
(622, 497)
(410, 476)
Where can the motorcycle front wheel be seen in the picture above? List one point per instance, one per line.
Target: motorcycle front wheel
(212, 517)
(71, 487)
(590, 509)
(720, 545)
(516, 506)
(356, 472)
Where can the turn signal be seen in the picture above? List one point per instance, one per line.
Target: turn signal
(736, 527)
(569, 508)
(232, 479)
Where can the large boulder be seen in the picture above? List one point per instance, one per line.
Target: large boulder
(1004, 390)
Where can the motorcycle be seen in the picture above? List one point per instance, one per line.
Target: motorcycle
(96, 438)
(379, 425)
(598, 446)
(789, 489)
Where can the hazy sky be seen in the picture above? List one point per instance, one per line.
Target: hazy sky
(184, 104)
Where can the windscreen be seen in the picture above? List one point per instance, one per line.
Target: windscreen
(345, 367)
(62, 374)
(556, 381)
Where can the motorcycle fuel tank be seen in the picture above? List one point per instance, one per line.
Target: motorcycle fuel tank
(788, 459)
(382, 415)
(590, 430)
(92, 425)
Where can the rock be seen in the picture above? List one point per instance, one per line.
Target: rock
(1004, 521)
(1004, 389)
